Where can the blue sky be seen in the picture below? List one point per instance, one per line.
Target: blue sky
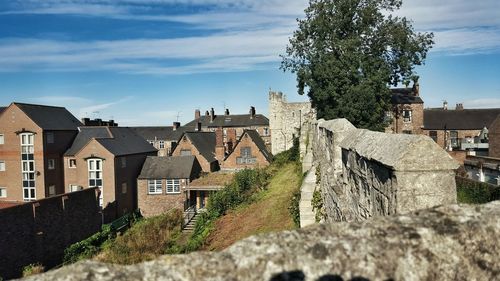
(145, 62)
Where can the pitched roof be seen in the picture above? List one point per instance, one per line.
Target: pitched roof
(232, 120)
(259, 142)
(175, 167)
(404, 96)
(204, 143)
(117, 140)
(2, 108)
(464, 119)
(50, 117)
(166, 133)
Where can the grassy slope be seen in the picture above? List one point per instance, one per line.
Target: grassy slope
(269, 212)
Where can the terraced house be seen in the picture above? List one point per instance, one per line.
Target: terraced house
(33, 139)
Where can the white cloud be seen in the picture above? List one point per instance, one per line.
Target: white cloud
(95, 109)
(482, 103)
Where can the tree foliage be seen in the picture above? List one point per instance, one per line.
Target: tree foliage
(346, 54)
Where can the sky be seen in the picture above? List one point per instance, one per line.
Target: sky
(152, 62)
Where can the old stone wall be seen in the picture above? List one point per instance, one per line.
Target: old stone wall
(39, 231)
(365, 174)
(287, 120)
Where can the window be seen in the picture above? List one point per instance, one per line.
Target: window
(52, 190)
(50, 137)
(28, 166)
(124, 188)
(74, 187)
(246, 156)
(173, 186)
(185, 152)
(151, 142)
(2, 139)
(72, 163)
(406, 115)
(124, 162)
(3, 192)
(454, 139)
(266, 131)
(154, 187)
(433, 135)
(2, 166)
(51, 164)
(408, 132)
(95, 176)
(162, 144)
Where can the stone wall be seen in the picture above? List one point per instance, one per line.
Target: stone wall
(287, 120)
(365, 174)
(39, 231)
(444, 243)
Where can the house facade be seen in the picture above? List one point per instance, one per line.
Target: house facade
(33, 139)
(249, 152)
(111, 159)
(494, 138)
(202, 145)
(406, 116)
(163, 138)
(162, 184)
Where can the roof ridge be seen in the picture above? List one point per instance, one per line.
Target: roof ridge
(42, 105)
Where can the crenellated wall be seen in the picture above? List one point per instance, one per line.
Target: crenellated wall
(363, 174)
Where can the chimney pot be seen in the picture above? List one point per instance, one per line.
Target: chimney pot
(198, 127)
(227, 111)
(460, 106)
(416, 89)
(212, 114)
(176, 125)
(197, 114)
(445, 105)
(252, 112)
(206, 113)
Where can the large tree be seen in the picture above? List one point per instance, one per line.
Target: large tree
(347, 53)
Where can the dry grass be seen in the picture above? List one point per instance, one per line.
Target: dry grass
(267, 214)
(219, 178)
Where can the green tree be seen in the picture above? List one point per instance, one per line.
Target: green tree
(347, 53)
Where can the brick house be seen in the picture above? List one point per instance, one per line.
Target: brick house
(163, 138)
(233, 125)
(249, 152)
(407, 112)
(494, 138)
(33, 139)
(202, 146)
(161, 186)
(111, 159)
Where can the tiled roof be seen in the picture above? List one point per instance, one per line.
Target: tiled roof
(117, 140)
(465, 119)
(204, 143)
(404, 96)
(259, 142)
(50, 117)
(165, 133)
(234, 120)
(175, 167)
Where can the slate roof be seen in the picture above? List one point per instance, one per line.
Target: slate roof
(204, 143)
(175, 167)
(259, 142)
(166, 133)
(465, 119)
(50, 117)
(117, 140)
(232, 120)
(404, 96)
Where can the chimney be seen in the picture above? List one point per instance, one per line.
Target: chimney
(219, 145)
(176, 125)
(460, 106)
(416, 89)
(231, 139)
(227, 111)
(198, 127)
(445, 105)
(197, 114)
(252, 112)
(206, 113)
(86, 121)
(212, 115)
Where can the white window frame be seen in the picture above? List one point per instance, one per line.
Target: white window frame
(161, 144)
(52, 190)
(69, 163)
(50, 137)
(95, 174)
(3, 192)
(3, 166)
(51, 164)
(2, 139)
(74, 187)
(155, 186)
(408, 118)
(173, 186)
(124, 188)
(28, 166)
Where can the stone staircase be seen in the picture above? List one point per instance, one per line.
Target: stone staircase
(189, 227)
(307, 215)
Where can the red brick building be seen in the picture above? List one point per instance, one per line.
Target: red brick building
(163, 138)
(494, 138)
(33, 139)
(407, 112)
(111, 159)
(202, 145)
(162, 184)
(249, 152)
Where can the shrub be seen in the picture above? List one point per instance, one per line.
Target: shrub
(89, 247)
(290, 155)
(317, 204)
(473, 192)
(32, 269)
(294, 208)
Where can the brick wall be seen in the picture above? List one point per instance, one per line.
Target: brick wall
(417, 118)
(39, 231)
(157, 204)
(494, 139)
(232, 163)
(185, 144)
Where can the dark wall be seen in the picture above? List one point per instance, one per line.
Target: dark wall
(39, 231)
